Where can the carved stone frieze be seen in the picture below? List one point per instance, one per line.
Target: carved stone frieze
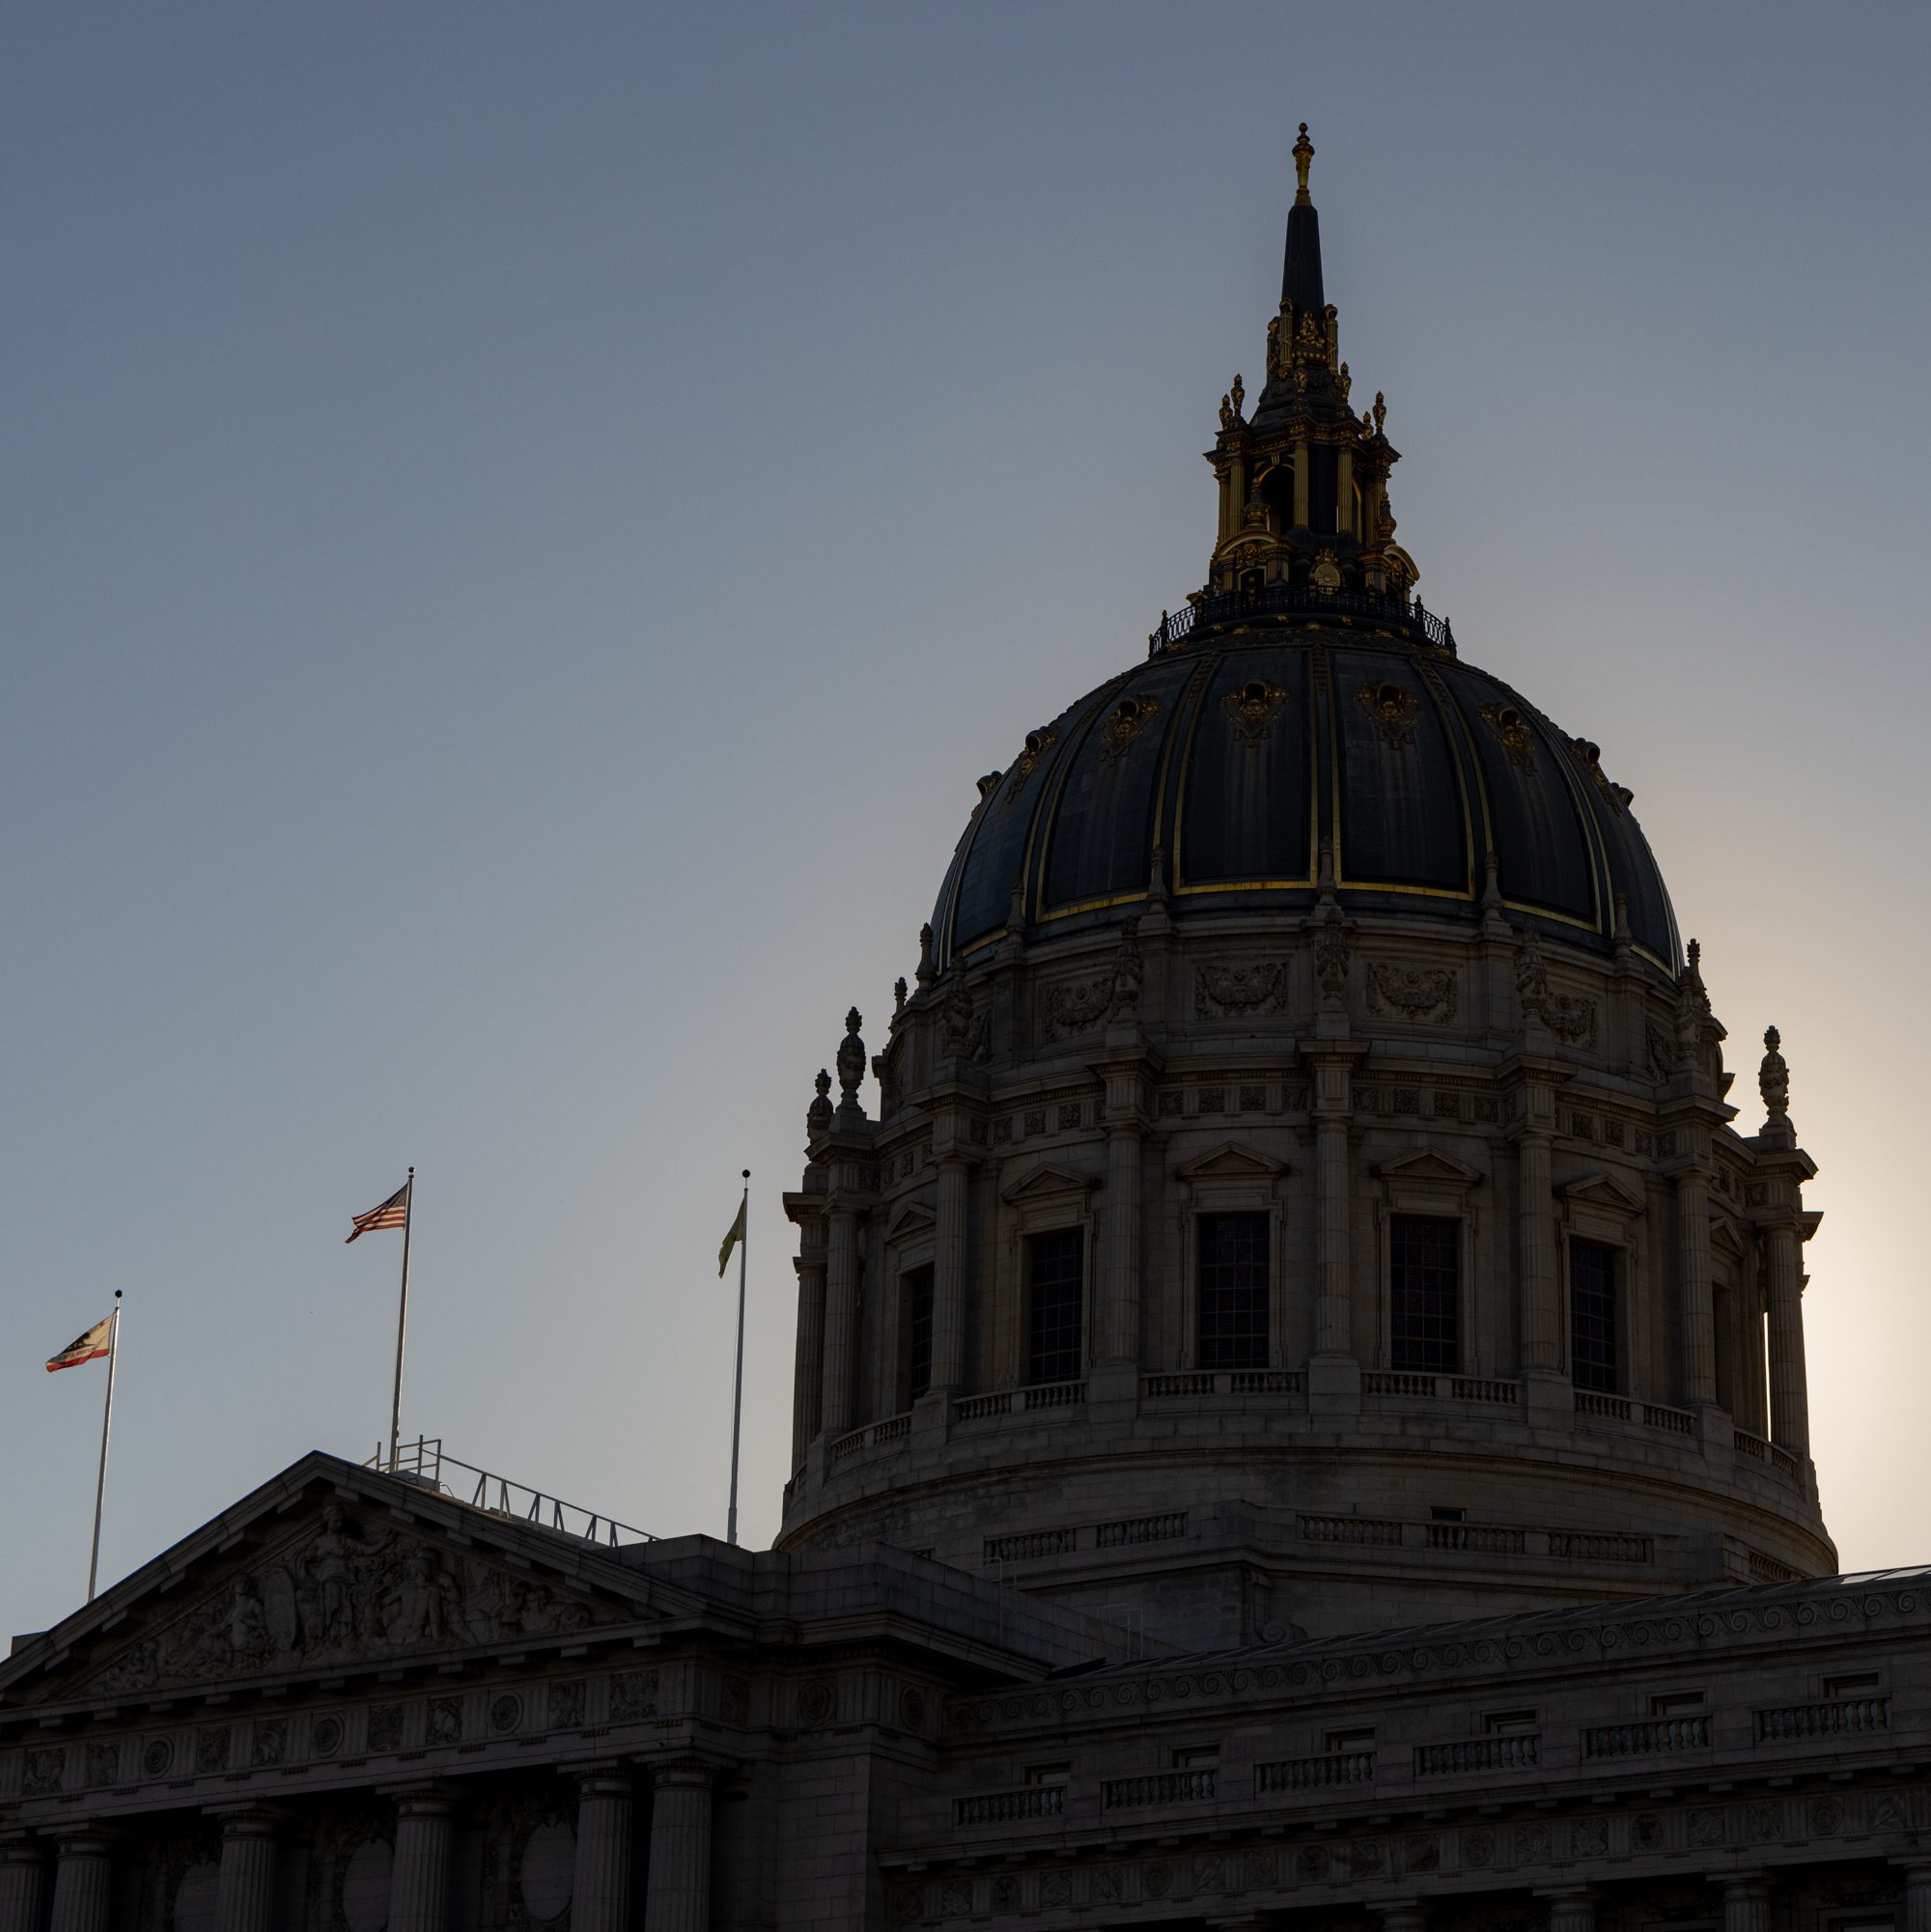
(1234, 989)
(341, 1590)
(1417, 993)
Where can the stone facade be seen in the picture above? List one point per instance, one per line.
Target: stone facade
(1305, 928)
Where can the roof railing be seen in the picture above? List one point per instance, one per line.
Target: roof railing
(1214, 608)
(424, 1462)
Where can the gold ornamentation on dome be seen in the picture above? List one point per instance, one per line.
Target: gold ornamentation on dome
(1239, 393)
(1253, 707)
(1304, 155)
(1226, 410)
(1310, 339)
(1618, 795)
(1037, 744)
(1394, 709)
(1510, 726)
(1276, 351)
(1343, 381)
(1326, 572)
(1125, 724)
(1255, 516)
(1380, 411)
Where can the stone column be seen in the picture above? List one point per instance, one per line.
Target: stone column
(419, 1881)
(1572, 1910)
(1304, 464)
(1343, 493)
(1119, 1323)
(679, 1895)
(1747, 1904)
(841, 1320)
(1692, 1270)
(807, 1405)
(1918, 1898)
(245, 1901)
(23, 1882)
(1334, 1300)
(601, 1899)
(948, 1275)
(83, 1883)
(1541, 1310)
(1789, 1393)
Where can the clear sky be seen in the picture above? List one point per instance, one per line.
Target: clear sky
(523, 526)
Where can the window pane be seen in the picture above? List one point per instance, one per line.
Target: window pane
(1056, 1267)
(1592, 1315)
(918, 1330)
(1425, 1283)
(1233, 1291)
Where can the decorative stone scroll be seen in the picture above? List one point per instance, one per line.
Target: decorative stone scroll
(1235, 989)
(1425, 994)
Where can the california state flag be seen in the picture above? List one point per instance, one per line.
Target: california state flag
(89, 1347)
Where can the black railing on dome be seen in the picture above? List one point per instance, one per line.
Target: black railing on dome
(1219, 607)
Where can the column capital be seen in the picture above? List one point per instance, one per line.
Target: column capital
(604, 1781)
(245, 1820)
(22, 1845)
(83, 1837)
(421, 1801)
(684, 1770)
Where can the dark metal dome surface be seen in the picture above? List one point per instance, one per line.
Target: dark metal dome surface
(1230, 762)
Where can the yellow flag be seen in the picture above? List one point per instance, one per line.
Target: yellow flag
(731, 1241)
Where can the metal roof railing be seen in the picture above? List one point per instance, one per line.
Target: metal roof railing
(424, 1462)
(1214, 609)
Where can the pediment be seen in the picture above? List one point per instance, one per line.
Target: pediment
(1727, 1235)
(1429, 1168)
(354, 1568)
(912, 1221)
(1603, 1191)
(1048, 1179)
(1231, 1160)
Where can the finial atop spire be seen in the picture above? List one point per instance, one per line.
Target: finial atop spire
(1303, 153)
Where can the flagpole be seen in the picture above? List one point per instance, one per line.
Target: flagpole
(402, 1324)
(106, 1425)
(737, 1384)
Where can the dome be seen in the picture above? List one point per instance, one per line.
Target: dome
(1222, 765)
(1303, 1191)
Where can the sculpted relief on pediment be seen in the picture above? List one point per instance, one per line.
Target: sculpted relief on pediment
(341, 1592)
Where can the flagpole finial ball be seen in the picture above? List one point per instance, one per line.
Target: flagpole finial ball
(747, 1173)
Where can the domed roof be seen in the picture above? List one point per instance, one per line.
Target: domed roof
(1230, 759)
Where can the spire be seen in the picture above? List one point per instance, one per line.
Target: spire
(1303, 481)
(1301, 274)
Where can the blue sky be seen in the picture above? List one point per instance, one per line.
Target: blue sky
(524, 525)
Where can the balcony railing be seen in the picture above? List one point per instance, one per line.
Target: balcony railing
(1330, 1772)
(1843, 1717)
(1645, 1739)
(1160, 1787)
(1514, 1752)
(1010, 1807)
(1211, 609)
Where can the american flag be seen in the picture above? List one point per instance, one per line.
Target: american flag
(393, 1213)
